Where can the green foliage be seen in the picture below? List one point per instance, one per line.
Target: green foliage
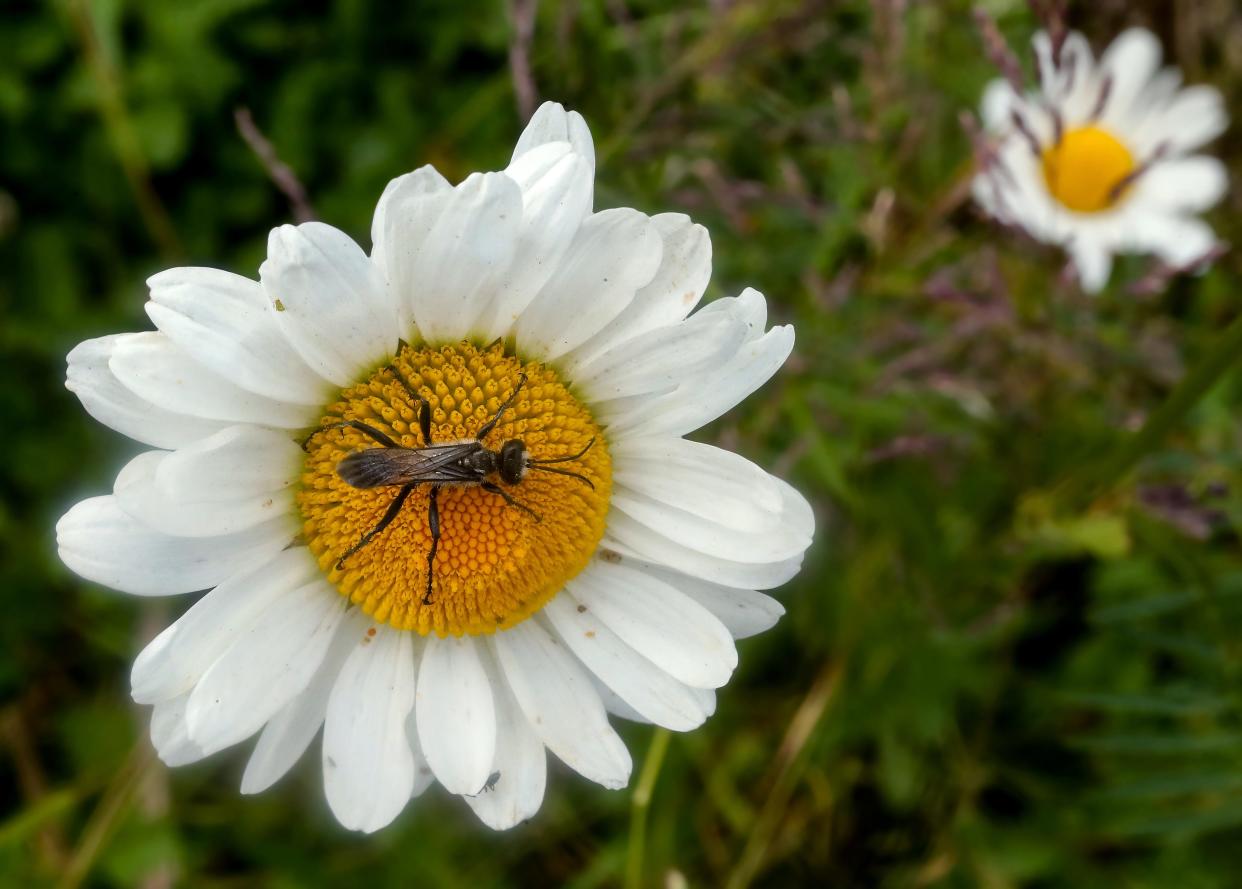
(981, 680)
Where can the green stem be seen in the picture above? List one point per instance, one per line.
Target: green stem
(641, 804)
(1220, 358)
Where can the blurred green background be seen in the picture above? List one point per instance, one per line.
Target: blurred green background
(1006, 663)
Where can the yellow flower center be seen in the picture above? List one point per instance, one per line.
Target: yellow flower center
(495, 564)
(1087, 170)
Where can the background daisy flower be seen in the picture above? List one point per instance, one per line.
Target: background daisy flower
(442, 631)
(1099, 159)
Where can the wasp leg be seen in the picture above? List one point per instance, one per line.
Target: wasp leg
(421, 407)
(364, 428)
(393, 509)
(433, 522)
(491, 424)
(493, 488)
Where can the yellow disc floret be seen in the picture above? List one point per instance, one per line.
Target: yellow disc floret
(496, 564)
(1087, 170)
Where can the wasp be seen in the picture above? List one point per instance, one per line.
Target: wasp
(469, 463)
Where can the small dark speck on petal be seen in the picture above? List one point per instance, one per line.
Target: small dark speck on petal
(581, 609)
(280, 307)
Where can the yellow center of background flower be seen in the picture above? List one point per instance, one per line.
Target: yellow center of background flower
(495, 565)
(1087, 169)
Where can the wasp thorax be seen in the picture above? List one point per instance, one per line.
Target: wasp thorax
(495, 563)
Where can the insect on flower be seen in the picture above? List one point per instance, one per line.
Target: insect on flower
(462, 463)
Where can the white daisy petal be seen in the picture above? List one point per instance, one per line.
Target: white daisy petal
(175, 660)
(630, 537)
(744, 612)
(702, 398)
(170, 735)
(102, 543)
(659, 622)
(662, 358)
(614, 253)
(1196, 116)
(675, 289)
(221, 321)
(368, 765)
(520, 768)
(1178, 241)
(556, 184)
(1185, 184)
(561, 705)
(462, 259)
(238, 478)
(404, 216)
(552, 123)
(329, 300)
(1129, 63)
(652, 692)
(456, 714)
(287, 735)
(1092, 261)
(706, 481)
(150, 366)
(266, 666)
(101, 393)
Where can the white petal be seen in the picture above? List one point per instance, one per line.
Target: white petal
(101, 542)
(1094, 262)
(266, 667)
(551, 123)
(407, 212)
(520, 766)
(169, 735)
(629, 537)
(456, 714)
(771, 536)
(329, 300)
(706, 481)
(662, 358)
(1184, 184)
(1129, 62)
(175, 660)
(561, 705)
(556, 185)
(652, 692)
(221, 321)
(451, 276)
(744, 612)
(238, 478)
(285, 738)
(101, 393)
(368, 765)
(998, 104)
(703, 397)
(661, 623)
(1195, 116)
(614, 253)
(1179, 241)
(151, 367)
(675, 289)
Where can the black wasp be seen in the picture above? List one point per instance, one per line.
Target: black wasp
(468, 463)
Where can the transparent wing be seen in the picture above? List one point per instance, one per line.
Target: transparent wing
(380, 467)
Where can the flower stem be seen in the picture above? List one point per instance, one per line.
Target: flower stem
(640, 805)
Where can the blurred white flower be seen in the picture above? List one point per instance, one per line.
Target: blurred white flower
(1098, 159)
(613, 582)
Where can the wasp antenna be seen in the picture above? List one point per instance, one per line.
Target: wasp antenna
(567, 459)
(576, 475)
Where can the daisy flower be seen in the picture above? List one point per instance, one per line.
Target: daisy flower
(440, 495)
(1098, 159)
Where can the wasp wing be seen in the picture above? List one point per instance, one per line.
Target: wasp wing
(380, 467)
